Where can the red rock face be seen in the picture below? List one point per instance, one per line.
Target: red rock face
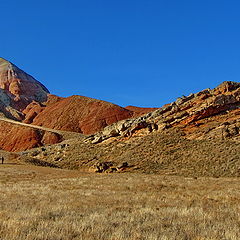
(14, 137)
(31, 111)
(35, 108)
(51, 138)
(80, 114)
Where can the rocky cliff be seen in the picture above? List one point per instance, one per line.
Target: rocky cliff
(18, 89)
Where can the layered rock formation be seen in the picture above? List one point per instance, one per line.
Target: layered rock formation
(18, 89)
(207, 115)
(207, 110)
(78, 114)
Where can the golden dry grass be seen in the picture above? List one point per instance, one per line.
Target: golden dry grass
(52, 204)
(155, 153)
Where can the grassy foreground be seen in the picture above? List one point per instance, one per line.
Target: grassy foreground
(52, 204)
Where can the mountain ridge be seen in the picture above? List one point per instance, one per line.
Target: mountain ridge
(196, 135)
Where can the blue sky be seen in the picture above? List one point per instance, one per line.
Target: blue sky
(144, 52)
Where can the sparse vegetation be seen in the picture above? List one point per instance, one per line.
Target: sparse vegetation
(161, 153)
(38, 162)
(52, 204)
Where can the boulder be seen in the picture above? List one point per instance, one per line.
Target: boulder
(51, 138)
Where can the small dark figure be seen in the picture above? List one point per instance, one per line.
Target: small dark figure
(2, 159)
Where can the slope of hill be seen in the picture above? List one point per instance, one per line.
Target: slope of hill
(80, 114)
(17, 136)
(197, 135)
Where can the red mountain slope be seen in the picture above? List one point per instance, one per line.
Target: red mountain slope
(79, 114)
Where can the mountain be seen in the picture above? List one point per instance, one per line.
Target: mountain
(18, 89)
(25, 99)
(76, 113)
(196, 135)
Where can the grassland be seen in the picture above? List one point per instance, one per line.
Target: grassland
(39, 203)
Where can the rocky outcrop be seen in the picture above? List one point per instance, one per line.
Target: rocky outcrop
(186, 112)
(124, 128)
(109, 167)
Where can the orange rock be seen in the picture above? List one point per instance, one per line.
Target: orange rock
(81, 114)
(31, 111)
(14, 137)
(51, 138)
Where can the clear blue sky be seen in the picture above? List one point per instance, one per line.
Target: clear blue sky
(130, 52)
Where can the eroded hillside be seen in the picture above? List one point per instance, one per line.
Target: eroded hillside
(197, 135)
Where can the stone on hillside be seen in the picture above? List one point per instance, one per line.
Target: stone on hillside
(97, 139)
(224, 100)
(122, 165)
(51, 138)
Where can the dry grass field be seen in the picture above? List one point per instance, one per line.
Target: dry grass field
(38, 203)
